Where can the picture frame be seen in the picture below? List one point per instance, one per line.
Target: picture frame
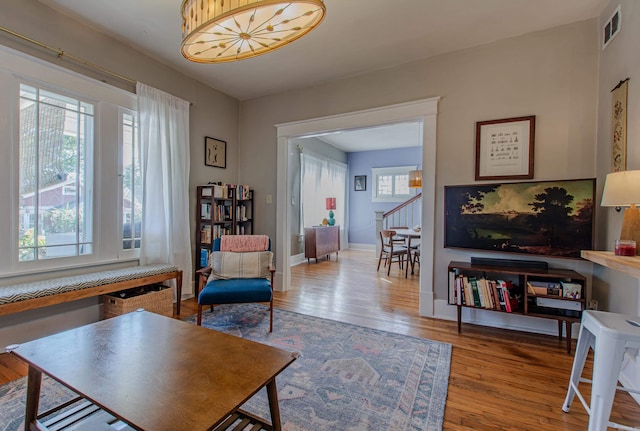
(360, 183)
(543, 218)
(215, 152)
(505, 148)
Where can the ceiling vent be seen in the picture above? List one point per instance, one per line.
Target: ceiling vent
(611, 28)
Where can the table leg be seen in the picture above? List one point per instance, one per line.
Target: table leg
(33, 399)
(272, 393)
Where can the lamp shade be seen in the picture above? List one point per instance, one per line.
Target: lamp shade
(621, 189)
(415, 179)
(331, 203)
(217, 31)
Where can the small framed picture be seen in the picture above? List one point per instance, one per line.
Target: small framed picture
(360, 183)
(505, 148)
(215, 152)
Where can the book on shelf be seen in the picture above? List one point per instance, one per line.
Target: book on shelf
(205, 234)
(474, 289)
(205, 210)
(244, 192)
(204, 257)
(536, 287)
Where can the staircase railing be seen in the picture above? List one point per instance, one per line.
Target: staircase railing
(406, 214)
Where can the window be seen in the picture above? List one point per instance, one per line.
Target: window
(64, 171)
(391, 184)
(56, 175)
(132, 188)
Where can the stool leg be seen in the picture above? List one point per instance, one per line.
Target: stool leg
(607, 361)
(585, 340)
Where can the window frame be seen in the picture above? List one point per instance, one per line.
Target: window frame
(16, 68)
(394, 171)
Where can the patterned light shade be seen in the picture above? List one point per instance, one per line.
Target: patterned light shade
(218, 31)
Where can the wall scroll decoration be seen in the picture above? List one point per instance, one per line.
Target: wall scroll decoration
(619, 127)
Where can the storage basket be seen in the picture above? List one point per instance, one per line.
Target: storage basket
(155, 298)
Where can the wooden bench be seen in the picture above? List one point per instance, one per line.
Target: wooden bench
(28, 296)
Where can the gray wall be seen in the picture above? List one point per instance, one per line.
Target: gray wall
(212, 114)
(616, 291)
(551, 74)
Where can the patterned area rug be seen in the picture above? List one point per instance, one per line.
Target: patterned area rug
(346, 378)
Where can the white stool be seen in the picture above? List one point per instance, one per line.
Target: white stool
(609, 335)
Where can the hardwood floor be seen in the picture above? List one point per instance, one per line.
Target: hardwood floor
(500, 379)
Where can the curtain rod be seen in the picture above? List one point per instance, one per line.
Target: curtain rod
(60, 53)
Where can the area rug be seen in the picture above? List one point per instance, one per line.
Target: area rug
(346, 377)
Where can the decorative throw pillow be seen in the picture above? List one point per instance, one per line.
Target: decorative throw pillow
(226, 265)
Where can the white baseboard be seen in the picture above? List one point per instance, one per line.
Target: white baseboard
(364, 247)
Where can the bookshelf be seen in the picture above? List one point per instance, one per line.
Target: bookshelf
(222, 209)
(557, 294)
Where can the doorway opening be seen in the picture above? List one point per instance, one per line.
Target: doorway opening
(424, 111)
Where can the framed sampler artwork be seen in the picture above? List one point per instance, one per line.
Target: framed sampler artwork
(505, 148)
(215, 152)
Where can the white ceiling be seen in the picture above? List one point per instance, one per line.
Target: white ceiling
(357, 36)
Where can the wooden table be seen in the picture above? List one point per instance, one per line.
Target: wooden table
(155, 373)
(408, 234)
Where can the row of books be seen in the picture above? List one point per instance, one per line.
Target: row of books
(225, 191)
(241, 213)
(480, 292)
(208, 232)
(209, 211)
(244, 192)
(562, 289)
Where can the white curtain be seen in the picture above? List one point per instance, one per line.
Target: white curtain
(323, 178)
(164, 138)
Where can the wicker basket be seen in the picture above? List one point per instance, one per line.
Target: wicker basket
(154, 298)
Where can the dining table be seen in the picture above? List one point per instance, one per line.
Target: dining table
(409, 234)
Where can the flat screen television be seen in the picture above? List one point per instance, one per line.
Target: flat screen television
(545, 218)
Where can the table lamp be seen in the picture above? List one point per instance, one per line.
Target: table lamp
(331, 205)
(622, 189)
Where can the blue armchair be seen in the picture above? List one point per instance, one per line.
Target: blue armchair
(236, 277)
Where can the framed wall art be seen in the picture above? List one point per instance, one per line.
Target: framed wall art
(360, 183)
(215, 152)
(544, 218)
(505, 148)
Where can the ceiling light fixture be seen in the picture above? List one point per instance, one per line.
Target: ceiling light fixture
(218, 31)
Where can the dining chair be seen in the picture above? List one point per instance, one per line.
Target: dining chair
(398, 239)
(390, 251)
(414, 257)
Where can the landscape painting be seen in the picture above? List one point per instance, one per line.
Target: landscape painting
(546, 218)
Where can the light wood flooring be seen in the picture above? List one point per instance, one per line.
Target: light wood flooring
(500, 379)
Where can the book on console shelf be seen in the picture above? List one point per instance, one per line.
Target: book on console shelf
(536, 287)
(477, 292)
